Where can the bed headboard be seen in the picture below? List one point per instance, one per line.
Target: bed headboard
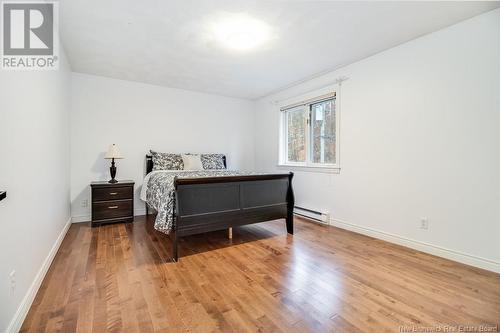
(149, 163)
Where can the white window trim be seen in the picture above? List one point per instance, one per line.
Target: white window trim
(307, 165)
(318, 169)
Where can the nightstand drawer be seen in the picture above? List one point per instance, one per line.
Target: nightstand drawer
(112, 209)
(112, 202)
(112, 193)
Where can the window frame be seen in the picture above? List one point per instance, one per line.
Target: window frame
(308, 165)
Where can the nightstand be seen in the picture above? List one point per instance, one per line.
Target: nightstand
(112, 202)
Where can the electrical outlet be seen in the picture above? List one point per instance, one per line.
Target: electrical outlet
(85, 203)
(424, 223)
(12, 278)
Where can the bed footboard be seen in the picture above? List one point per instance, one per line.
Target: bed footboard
(217, 203)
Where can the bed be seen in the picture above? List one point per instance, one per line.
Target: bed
(193, 202)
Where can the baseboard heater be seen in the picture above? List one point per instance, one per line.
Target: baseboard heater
(312, 214)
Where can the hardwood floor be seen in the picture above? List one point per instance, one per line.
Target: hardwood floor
(120, 278)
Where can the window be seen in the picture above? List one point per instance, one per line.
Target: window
(309, 133)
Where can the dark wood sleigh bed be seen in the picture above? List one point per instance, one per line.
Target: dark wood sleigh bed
(216, 203)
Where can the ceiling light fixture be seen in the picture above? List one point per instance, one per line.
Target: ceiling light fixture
(241, 32)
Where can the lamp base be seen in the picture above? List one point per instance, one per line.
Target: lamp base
(112, 171)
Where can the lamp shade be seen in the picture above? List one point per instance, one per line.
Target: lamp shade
(113, 152)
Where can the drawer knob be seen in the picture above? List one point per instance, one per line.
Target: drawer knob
(113, 193)
(112, 207)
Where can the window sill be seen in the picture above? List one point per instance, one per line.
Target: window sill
(309, 168)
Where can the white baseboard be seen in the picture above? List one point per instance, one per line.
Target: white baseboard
(22, 310)
(87, 218)
(463, 258)
(80, 218)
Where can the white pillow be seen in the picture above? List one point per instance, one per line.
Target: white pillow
(192, 162)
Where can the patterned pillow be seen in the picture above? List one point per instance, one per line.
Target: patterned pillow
(166, 161)
(212, 161)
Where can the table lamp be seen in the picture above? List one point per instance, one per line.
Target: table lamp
(113, 153)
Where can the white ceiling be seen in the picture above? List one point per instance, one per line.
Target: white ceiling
(168, 43)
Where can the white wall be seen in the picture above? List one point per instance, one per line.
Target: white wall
(138, 117)
(419, 138)
(34, 170)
